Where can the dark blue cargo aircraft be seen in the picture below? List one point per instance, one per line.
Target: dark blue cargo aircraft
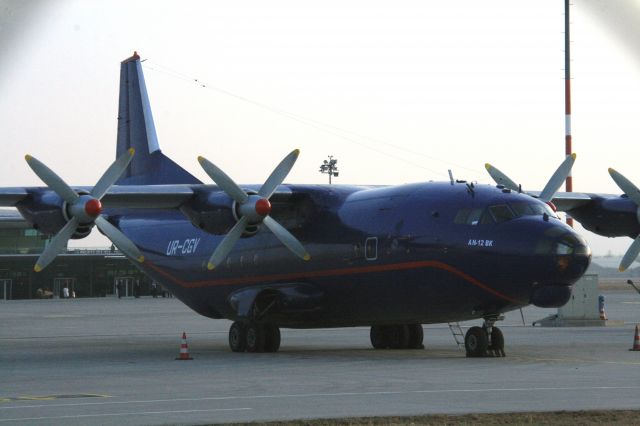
(306, 256)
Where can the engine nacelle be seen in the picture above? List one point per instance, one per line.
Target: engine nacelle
(211, 211)
(45, 211)
(610, 217)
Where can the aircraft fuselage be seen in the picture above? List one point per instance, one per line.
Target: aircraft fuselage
(418, 253)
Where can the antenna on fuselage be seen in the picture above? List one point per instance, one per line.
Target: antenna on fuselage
(451, 177)
(470, 187)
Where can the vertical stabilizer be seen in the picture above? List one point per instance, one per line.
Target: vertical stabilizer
(136, 130)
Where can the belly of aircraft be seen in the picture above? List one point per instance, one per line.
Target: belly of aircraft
(410, 290)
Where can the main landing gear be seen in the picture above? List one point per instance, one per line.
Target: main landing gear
(254, 337)
(485, 341)
(403, 336)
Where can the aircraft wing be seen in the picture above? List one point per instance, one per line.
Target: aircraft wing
(566, 201)
(148, 196)
(10, 196)
(12, 219)
(134, 196)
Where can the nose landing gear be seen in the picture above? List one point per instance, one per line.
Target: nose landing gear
(485, 341)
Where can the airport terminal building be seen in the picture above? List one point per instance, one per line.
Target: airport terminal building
(85, 272)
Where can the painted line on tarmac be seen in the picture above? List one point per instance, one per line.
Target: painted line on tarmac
(332, 395)
(138, 413)
(90, 336)
(51, 397)
(572, 360)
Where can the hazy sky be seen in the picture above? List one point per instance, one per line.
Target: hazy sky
(398, 91)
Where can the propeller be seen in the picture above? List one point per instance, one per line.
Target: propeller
(633, 193)
(550, 188)
(253, 209)
(83, 209)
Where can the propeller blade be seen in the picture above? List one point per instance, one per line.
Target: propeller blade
(278, 174)
(52, 180)
(57, 244)
(112, 174)
(500, 178)
(627, 187)
(631, 255)
(223, 181)
(557, 179)
(225, 246)
(286, 238)
(118, 239)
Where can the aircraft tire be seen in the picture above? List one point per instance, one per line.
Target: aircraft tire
(395, 336)
(476, 342)
(416, 336)
(399, 336)
(378, 337)
(255, 337)
(272, 338)
(497, 342)
(237, 337)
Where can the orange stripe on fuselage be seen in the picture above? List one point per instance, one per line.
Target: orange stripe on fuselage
(332, 273)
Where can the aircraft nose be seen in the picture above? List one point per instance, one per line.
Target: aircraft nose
(569, 252)
(568, 256)
(574, 255)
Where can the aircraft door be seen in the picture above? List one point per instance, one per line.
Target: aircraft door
(371, 248)
(5, 288)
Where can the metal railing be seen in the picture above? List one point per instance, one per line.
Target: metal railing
(95, 251)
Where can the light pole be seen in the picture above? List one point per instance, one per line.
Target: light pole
(330, 167)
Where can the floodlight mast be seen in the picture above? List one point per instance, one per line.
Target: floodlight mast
(567, 96)
(329, 167)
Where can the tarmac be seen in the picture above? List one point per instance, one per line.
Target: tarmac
(112, 361)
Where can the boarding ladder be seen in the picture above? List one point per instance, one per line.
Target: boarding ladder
(457, 333)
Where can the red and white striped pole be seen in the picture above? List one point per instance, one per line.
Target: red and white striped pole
(567, 98)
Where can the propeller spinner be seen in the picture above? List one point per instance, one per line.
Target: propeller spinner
(253, 209)
(84, 209)
(633, 193)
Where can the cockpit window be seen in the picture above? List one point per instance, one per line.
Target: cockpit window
(468, 216)
(494, 214)
(461, 216)
(501, 213)
(474, 216)
(548, 210)
(486, 218)
(522, 209)
(532, 209)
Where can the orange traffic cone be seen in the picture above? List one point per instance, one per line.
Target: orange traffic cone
(603, 315)
(184, 349)
(636, 341)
